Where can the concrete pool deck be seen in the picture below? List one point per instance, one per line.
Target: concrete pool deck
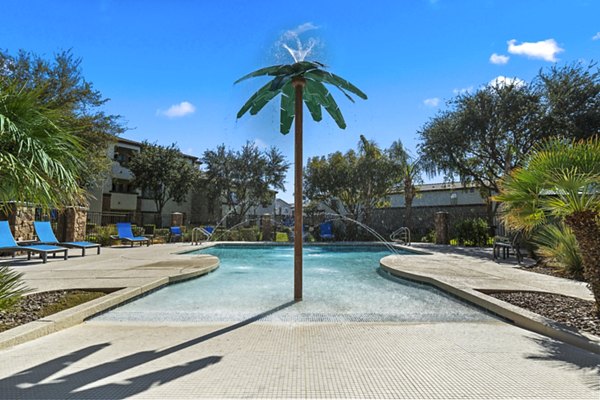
(257, 359)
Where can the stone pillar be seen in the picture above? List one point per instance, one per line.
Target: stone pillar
(20, 217)
(441, 228)
(176, 219)
(72, 223)
(266, 228)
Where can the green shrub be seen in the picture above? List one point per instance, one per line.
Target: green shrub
(249, 234)
(137, 230)
(472, 232)
(11, 287)
(187, 234)
(429, 238)
(90, 227)
(557, 245)
(102, 235)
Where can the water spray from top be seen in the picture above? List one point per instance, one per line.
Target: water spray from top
(291, 41)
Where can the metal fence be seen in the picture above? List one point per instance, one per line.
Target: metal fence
(136, 218)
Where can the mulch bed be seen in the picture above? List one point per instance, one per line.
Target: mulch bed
(576, 313)
(39, 305)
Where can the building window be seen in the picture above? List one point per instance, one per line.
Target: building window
(123, 155)
(122, 186)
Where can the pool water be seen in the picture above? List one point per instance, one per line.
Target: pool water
(341, 284)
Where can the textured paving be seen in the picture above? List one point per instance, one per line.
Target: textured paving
(442, 360)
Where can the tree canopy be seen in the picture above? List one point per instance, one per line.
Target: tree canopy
(354, 182)
(244, 178)
(60, 88)
(163, 173)
(485, 134)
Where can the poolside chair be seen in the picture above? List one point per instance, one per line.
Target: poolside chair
(125, 234)
(325, 231)
(175, 234)
(9, 245)
(44, 232)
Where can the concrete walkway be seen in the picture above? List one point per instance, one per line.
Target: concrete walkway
(275, 360)
(471, 273)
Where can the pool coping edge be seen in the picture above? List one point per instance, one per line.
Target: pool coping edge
(80, 313)
(518, 316)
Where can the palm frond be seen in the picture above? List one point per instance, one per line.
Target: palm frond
(319, 94)
(287, 111)
(337, 81)
(273, 70)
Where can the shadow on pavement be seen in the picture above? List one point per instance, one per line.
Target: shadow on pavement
(29, 383)
(569, 357)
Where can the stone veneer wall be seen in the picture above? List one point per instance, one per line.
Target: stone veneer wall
(72, 224)
(20, 217)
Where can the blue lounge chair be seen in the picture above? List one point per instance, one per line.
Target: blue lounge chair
(325, 231)
(126, 234)
(9, 245)
(44, 232)
(175, 233)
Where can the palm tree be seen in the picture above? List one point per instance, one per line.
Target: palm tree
(561, 180)
(39, 159)
(298, 82)
(409, 172)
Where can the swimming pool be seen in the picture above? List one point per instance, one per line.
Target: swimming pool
(341, 284)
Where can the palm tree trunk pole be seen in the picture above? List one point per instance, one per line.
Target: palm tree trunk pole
(298, 84)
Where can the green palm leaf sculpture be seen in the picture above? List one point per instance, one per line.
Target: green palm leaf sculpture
(298, 83)
(316, 96)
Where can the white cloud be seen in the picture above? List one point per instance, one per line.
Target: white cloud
(260, 144)
(499, 59)
(596, 36)
(432, 102)
(178, 110)
(501, 81)
(307, 26)
(463, 90)
(544, 49)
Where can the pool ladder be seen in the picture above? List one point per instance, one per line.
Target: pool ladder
(401, 235)
(196, 232)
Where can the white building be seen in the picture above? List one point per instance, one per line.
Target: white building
(441, 194)
(116, 199)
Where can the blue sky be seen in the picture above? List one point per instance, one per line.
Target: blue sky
(169, 66)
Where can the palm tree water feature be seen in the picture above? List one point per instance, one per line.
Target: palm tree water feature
(339, 217)
(298, 83)
(344, 283)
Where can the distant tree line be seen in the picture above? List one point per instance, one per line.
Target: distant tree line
(484, 135)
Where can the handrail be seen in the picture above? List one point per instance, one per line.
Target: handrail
(202, 231)
(401, 235)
